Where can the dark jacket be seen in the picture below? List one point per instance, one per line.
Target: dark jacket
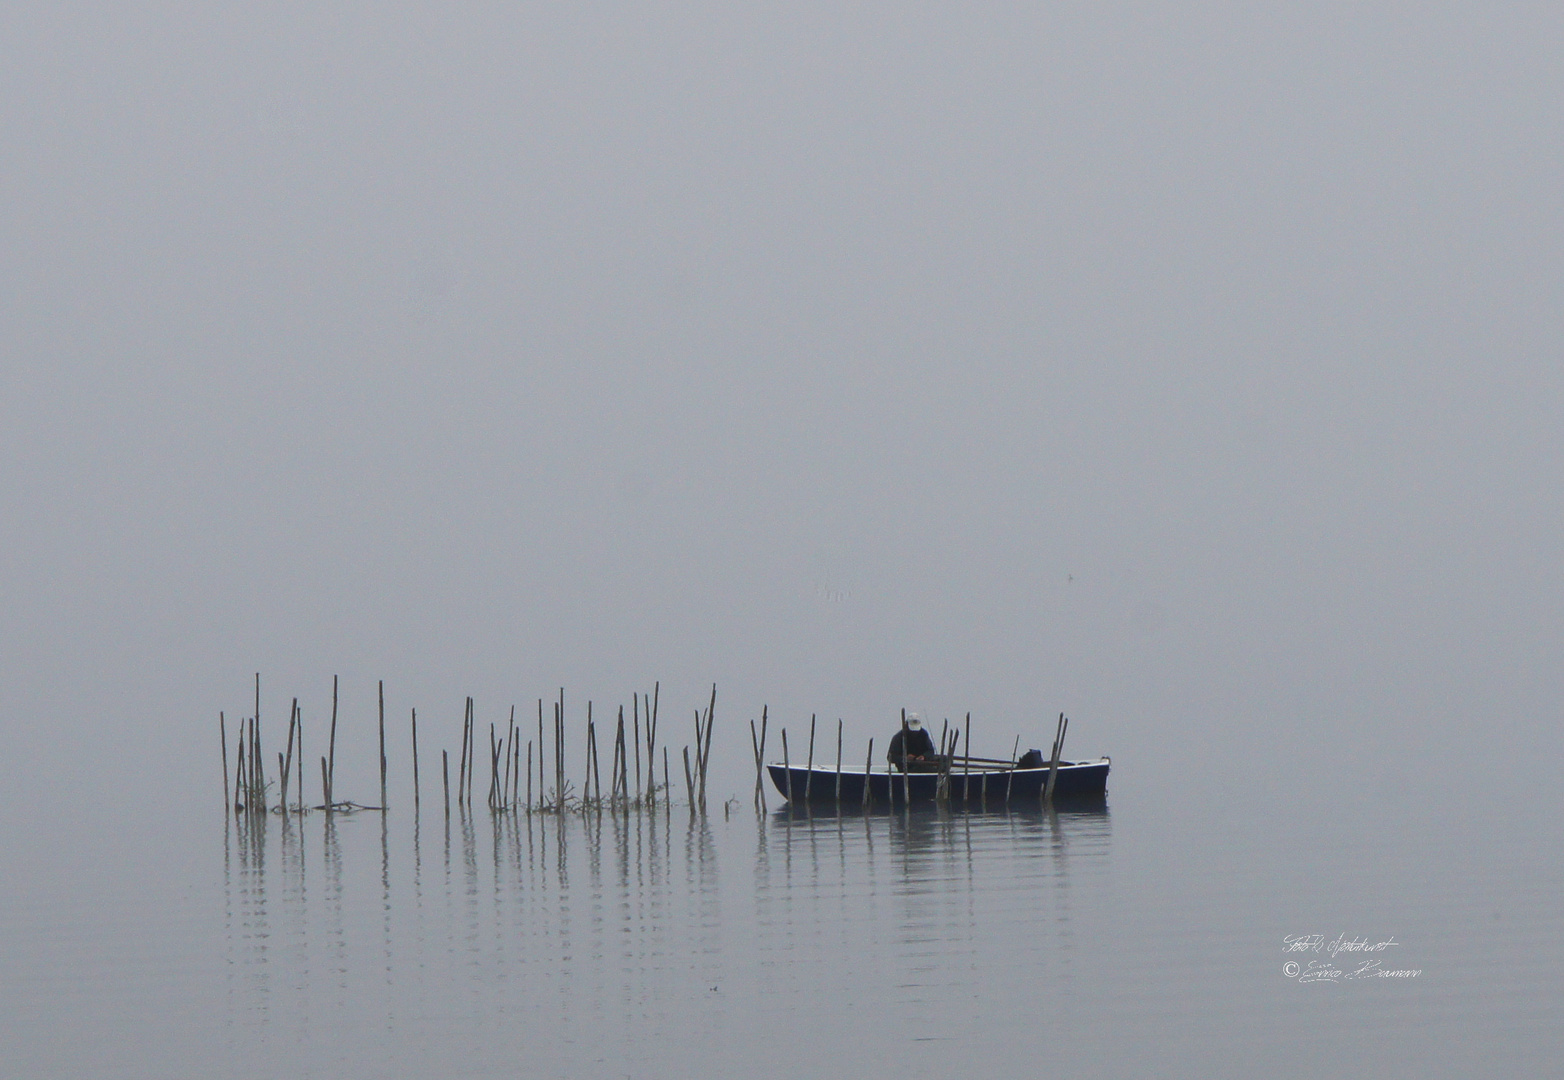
(918, 742)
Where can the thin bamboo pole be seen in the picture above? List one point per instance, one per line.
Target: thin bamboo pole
(222, 727)
(325, 783)
(1011, 780)
(529, 774)
(445, 780)
(597, 776)
(868, 774)
(689, 782)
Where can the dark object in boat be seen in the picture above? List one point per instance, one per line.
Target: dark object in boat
(1032, 759)
(972, 781)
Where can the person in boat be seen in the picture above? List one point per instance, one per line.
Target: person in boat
(917, 743)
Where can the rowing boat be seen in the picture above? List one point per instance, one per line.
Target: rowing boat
(967, 782)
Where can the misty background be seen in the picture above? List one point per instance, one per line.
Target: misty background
(1190, 370)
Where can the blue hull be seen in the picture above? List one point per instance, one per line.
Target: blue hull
(1075, 782)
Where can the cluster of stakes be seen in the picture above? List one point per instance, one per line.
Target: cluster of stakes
(528, 776)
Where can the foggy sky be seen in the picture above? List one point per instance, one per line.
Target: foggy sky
(1192, 369)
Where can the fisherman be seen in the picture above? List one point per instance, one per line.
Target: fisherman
(914, 740)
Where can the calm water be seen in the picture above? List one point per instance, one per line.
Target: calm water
(1144, 940)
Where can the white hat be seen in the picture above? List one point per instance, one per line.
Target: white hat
(914, 721)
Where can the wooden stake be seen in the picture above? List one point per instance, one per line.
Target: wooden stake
(559, 752)
(301, 764)
(754, 746)
(1053, 768)
(461, 761)
(809, 769)
(257, 768)
(494, 769)
(906, 784)
(415, 761)
(382, 746)
(838, 762)
(445, 780)
(620, 784)
(1010, 782)
(257, 725)
(594, 776)
(331, 749)
(651, 746)
(699, 741)
(711, 716)
(222, 725)
(286, 762)
(508, 744)
(966, 764)
(241, 799)
(637, 740)
(787, 769)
